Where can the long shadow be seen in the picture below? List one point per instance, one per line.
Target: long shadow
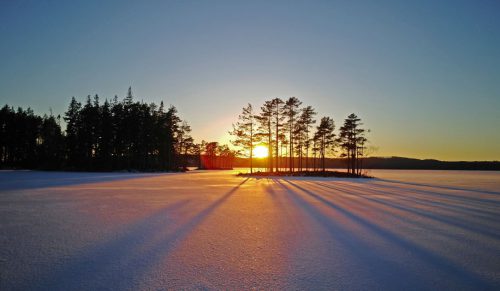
(479, 213)
(465, 277)
(23, 180)
(452, 222)
(474, 208)
(439, 186)
(367, 262)
(450, 205)
(120, 263)
(420, 191)
(465, 207)
(464, 199)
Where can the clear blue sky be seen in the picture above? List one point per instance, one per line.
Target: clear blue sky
(423, 75)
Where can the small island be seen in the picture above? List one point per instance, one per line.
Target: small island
(336, 174)
(284, 135)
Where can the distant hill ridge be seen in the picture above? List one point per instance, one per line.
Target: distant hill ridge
(430, 164)
(399, 163)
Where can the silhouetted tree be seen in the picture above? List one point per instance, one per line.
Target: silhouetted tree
(265, 130)
(291, 110)
(307, 121)
(211, 155)
(299, 138)
(315, 150)
(124, 135)
(200, 149)
(170, 125)
(283, 146)
(73, 124)
(185, 143)
(50, 144)
(244, 132)
(277, 119)
(117, 135)
(352, 140)
(88, 131)
(325, 138)
(106, 138)
(129, 98)
(226, 157)
(30, 141)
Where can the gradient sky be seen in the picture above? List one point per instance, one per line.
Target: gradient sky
(423, 75)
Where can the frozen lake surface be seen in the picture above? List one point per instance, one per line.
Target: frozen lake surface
(405, 230)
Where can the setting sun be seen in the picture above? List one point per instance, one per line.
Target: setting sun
(260, 152)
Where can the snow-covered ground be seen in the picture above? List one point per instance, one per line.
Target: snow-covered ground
(213, 230)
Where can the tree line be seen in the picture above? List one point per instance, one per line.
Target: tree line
(293, 139)
(30, 141)
(102, 136)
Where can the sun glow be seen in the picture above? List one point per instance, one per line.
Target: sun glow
(260, 152)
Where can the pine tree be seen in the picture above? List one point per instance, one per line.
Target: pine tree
(7, 121)
(325, 138)
(106, 139)
(129, 98)
(352, 141)
(291, 110)
(184, 143)
(277, 118)
(51, 145)
(307, 121)
(120, 135)
(244, 132)
(265, 130)
(73, 143)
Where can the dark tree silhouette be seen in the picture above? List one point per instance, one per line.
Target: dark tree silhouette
(50, 143)
(109, 136)
(277, 119)
(185, 143)
(265, 130)
(244, 132)
(30, 141)
(352, 141)
(291, 109)
(285, 125)
(325, 138)
(138, 136)
(73, 124)
(307, 121)
(106, 140)
(217, 156)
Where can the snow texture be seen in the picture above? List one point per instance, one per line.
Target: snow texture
(405, 230)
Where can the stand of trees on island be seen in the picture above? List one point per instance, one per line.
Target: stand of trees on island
(112, 135)
(295, 141)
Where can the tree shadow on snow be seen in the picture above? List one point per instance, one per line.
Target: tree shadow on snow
(439, 186)
(120, 263)
(23, 180)
(388, 272)
(431, 212)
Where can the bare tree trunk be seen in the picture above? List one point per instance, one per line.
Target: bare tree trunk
(251, 161)
(290, 153)
(251, 149)
(276, 147)
(307, 158)
(270, 146)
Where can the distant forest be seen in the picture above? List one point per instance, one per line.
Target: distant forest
(112, 135)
